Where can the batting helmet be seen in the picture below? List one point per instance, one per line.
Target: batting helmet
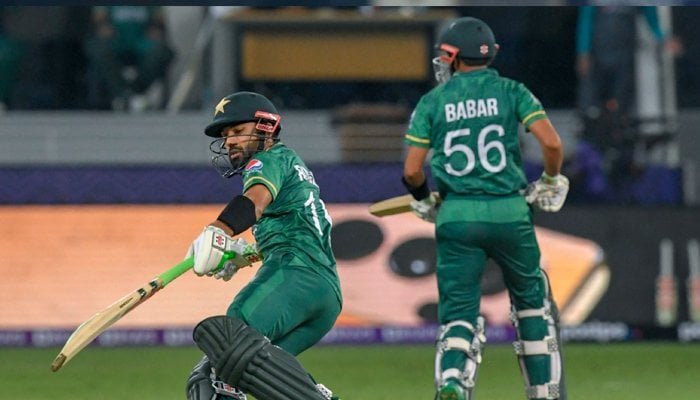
(468, 38)
(471, 38)
(242, 107)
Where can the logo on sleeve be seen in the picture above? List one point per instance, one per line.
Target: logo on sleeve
(254, 165)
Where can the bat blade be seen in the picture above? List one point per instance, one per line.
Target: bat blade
(392, 206)
(93, 327)
(100, 322)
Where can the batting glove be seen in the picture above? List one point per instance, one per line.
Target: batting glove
(548, 193)
(427, 208)
(208, 250)
(217, 254)
(243, 254)
(226, 272)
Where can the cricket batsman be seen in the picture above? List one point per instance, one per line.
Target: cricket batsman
(294, 298)
(470, 121)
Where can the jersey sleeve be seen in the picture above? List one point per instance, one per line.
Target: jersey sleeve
(262, 170)
(528, 107)
(419, 125)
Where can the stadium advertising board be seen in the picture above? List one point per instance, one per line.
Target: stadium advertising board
(91, 255)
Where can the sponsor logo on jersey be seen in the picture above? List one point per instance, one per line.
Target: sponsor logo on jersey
(254, 165)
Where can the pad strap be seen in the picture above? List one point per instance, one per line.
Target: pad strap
(239, 214)
(535, 312)
(536, 347)
(546, 391)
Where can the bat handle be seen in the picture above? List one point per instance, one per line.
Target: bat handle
(179, 269)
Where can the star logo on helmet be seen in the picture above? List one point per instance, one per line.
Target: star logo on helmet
(484, 49)
(220, 107)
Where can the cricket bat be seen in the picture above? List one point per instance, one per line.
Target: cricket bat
(98, 323)
(392, 206)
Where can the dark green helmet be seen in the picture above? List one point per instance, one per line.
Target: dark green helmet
(242, 107)
(472, 38)
(468, 38)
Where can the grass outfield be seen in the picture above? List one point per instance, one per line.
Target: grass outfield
(610, 371)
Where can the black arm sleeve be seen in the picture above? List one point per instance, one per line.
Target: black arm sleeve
(239, 214)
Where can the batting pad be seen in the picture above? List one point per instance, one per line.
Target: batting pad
(244, 358)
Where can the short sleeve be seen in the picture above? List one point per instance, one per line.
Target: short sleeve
(419, 125)
(263, 170)
(529, 108)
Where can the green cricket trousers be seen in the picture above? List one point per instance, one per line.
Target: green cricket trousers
(288, 302)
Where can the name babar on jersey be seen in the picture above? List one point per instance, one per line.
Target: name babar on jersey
(471, 108)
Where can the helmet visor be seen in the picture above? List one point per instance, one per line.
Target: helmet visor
(441, 70)
(231, 162)
(221, 160)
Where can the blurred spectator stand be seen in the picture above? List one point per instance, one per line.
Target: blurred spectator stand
(371, 132)
(627, 99)
(127, 53)
(45, 62)
(10, 53)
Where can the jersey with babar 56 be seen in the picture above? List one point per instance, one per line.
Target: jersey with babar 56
(471, 123)
(296, 219)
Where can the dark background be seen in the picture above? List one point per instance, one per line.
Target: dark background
(537, 48)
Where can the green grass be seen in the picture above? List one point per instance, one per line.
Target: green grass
(593, 371)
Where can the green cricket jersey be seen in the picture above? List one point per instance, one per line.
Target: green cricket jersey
(471, 123)
(296, 220)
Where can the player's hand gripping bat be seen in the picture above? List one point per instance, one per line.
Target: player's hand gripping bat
(392, 206)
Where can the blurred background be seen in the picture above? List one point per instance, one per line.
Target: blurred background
(105, 176)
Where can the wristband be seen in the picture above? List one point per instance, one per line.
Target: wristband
(239, 214)
(419, 193)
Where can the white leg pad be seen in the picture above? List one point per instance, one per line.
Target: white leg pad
(549, 345)
(472, 349)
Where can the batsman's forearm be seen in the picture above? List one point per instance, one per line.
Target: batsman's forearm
(413, 166)
(550, 142)
(553, 159)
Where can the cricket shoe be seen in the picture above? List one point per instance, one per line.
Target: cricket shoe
(451, 390)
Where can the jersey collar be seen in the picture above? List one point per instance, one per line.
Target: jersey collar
(478, 72)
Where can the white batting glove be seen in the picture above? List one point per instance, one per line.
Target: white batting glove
(208, 250)
(216, 254)
(427, 208)
(548, 193)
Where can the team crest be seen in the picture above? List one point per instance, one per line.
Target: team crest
(484, 49)
(254, 165)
